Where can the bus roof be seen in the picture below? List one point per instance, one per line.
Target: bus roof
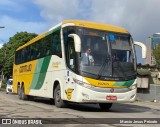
(95, 25)
(81, 23)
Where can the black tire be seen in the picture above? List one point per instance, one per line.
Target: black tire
(23, 95)
(105, 106)
(57, 98)
(19, 92)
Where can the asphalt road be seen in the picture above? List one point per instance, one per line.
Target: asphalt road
(12, 107)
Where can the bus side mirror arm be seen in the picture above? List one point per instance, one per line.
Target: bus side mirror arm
(77, 42)
(143, 46)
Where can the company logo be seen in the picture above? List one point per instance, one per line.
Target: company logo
(56, 64)
(112, 90)
(6, 121)
(103, 84)
(69, 93)
(25, 68)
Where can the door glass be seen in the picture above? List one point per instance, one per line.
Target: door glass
(71, 54)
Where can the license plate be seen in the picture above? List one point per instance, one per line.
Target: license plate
(111, 97)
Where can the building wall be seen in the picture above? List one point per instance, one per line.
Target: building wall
(148, 58)
(151, 43)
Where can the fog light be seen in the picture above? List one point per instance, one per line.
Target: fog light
(87, 85)
(82, 83)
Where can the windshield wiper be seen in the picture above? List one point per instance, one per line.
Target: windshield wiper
(88, 73)
(103, 66)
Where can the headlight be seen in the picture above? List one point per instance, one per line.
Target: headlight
(77, 81)
(82, 83)
(87, 85)
(132, 87)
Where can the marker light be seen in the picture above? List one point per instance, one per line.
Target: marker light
(132, 87)
(86, 85)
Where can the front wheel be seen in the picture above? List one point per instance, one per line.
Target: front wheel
(57, 98)
(105, 106)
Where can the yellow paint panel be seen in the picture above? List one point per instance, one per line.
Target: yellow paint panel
(23, 73)
(95, 25)
(100, 83)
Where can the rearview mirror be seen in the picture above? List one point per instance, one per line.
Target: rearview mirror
(143, 46)
(77, 42)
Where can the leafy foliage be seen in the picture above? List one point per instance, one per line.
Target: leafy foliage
(143, 72)
(156, 53)
(7, 52)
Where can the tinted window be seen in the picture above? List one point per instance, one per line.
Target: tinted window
(56, 44)
(50, 45)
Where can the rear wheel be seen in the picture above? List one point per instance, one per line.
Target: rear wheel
(57, 98)
(21, 93)
(105, 106)
(24, 96)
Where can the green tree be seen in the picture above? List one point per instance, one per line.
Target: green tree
(7, 52)
(156, 53)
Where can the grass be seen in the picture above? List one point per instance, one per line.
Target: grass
(1, 89)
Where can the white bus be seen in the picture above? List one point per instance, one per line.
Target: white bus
(51, 65)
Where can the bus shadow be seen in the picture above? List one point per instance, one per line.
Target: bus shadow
(116, 108)
(42, 100)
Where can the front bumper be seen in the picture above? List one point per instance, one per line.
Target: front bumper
(90, 96)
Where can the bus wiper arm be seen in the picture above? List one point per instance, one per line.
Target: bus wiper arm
(88, 73)
(103, 66)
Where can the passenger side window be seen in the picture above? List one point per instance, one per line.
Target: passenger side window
(48, 45)
(27, 54)
(56, 44)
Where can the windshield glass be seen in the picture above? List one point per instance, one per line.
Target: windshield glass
(123, 59)
(95, 53)
(9, 82)
(104, 55)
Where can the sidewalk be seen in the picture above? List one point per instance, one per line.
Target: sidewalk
(152, 95)
(152, 105)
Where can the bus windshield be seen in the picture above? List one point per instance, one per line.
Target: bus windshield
(106, 55)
